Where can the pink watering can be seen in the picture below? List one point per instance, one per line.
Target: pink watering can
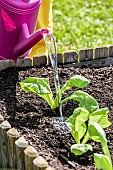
(17, 24)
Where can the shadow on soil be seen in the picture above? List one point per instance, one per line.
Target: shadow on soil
(8, 81)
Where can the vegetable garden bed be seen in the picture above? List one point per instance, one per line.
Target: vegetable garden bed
(33, 118)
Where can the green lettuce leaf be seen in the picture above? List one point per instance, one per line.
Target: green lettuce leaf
(76, 123)
(79, 149)
(39, 86)
(86, 100)
(78, 81)
(100, 116)
(102, 162)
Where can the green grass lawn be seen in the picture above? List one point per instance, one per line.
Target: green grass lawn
(82, 23)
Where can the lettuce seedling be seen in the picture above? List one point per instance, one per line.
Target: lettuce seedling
(80, 119)
(41, 87)
(102, 161)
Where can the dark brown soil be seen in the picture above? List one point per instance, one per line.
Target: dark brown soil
(32, 116)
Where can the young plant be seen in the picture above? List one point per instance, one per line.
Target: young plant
(79, 121)
(41, 87)
(102, 161)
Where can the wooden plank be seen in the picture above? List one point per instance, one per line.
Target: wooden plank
(12, 136)
(101, 52)
(4, 126)
(111, 51)
(59, 58)
(40, 60)
(4, 64)
(70, 57)
(23, 62)
(86, 54)
(21, 145)
(20, 62)
(27, 62)
(40, 163)
(12, 63)
(30, 154)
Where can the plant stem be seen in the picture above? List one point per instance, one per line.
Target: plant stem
(86, 138)
(106, 150)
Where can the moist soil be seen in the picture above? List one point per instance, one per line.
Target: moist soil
(33, 117)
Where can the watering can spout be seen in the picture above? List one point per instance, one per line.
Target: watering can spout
(26, 41)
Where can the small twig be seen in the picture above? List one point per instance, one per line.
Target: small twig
(67, 160)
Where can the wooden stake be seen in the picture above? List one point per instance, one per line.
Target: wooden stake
(40, 163)
(12, 135)
(30, 155)
(4, 126)
(21, 145)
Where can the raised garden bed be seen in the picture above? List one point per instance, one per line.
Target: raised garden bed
(33, 117)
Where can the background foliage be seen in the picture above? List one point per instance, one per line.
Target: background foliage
(82, 23)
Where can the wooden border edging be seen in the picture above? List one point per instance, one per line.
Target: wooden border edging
(97, 57)
(15, 153)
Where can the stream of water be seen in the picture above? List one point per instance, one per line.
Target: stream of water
(51, 47)
(59, 122)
